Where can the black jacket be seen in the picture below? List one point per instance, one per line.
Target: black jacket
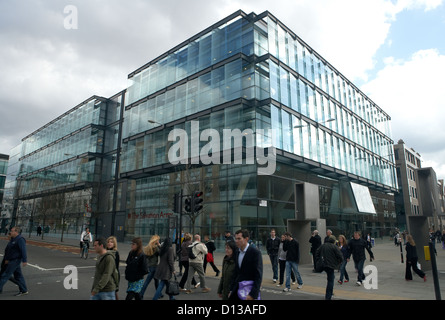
(292, 247)
(251, 269)
(272, 246)
(411, 252)
(331, 254)
(315, 243)
(357, 249)
(137, 267)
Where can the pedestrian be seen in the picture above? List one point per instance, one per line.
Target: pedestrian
(228, 269)
(210, 244)
(248, 273)
(411, 260)
(39, 230)
(185, 262)
(4, 265)
(86, 238)
(106, 278)
(136, 269)
(332, 259)
(343, 245)
(368, 239)
(272, 246)
(112, 245)
(282, 262)
(315, 241)
(151, 251)
(228, 236)
(166, 268)
(432, 237)
(357, 246)
(442, 238)
(15, 253)
(292, 260)
(328, 234)
(197, 264)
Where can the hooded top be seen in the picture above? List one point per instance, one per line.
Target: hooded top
(106, 278)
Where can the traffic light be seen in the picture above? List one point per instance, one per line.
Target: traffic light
(177, 203)
(188, 205)
(197, 201)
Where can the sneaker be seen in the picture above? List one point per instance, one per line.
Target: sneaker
(188, 291)
(346, 281)
(359, 283)
(340, 282)
(205, 290)
(274, 280)
(21, 294)
(300, 286)
(197, 285)
(217, 273)
(279, 285)
(287, 289)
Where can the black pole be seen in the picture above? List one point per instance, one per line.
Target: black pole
(401, 251)
(434, 269)
(180, 219)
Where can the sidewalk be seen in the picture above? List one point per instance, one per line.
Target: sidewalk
(391, 283)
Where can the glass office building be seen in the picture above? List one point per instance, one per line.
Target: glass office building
(246, 72)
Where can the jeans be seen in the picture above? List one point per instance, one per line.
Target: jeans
(162, 284)
(292, 265)
(150, 276)
(13, 268)
(111, 295)
(359, 266)
(343, 272)
(274, 263)
(330, 284)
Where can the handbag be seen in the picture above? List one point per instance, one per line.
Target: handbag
(244, 288)
(173, 287)
(209, 257)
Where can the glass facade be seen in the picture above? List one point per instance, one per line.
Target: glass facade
(244, 72)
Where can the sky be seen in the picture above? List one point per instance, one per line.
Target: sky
(56, 54)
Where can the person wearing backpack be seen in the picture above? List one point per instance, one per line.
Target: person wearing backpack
(197, 250)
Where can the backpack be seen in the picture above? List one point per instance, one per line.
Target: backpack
(190, 251)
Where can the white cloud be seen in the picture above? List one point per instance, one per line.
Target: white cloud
(46, 70)
(412, 93)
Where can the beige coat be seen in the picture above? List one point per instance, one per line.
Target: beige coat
(200, 250)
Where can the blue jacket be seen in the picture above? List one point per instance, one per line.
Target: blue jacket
(16, 249)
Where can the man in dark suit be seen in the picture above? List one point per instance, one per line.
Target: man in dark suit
(248, 267)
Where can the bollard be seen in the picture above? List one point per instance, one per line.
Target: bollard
(426, 250)
(434, 269)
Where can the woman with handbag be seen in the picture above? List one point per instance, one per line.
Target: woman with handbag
(136, 269)
(166, 270)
